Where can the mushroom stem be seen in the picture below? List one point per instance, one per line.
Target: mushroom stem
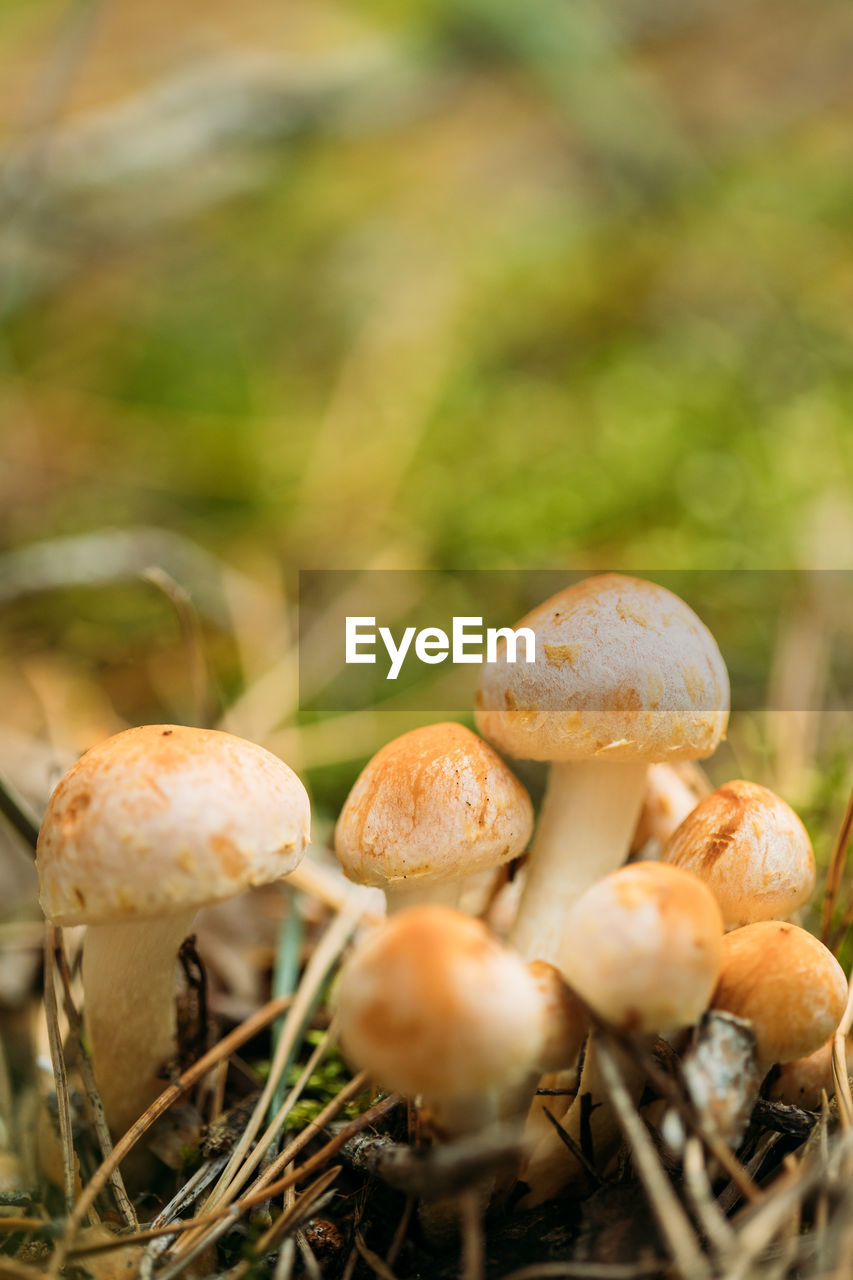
(403, 894)
(585, 826)
(440, 1216)
(551, 1168)
(129, 995)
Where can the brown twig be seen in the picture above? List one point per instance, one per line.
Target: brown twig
(840, 1077)
(833, 884)
(204, 711)
(377, 1265)
(588, 1270)
(52, 943)
(96, 1184)
(667, 1087)
(224, 1216)
(18, 814)
(568, 1141)
(473, 1259)
(673, 1223)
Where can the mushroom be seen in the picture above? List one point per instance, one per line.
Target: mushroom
(642, 948)
(430, 809)
(779, 997)
(144, 829)
(786, 984)
(566, 1020)
(567, 1023)
(462, 1022)
(625, 675)
(802, 1082)
(751, 850)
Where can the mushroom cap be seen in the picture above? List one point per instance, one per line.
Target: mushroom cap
(624, 670)
(786, 983)
(162, 819)
(642, 947)
(751, 850)
(566, 1019)
(436, 804)
(801, 1083)
(431, 1004)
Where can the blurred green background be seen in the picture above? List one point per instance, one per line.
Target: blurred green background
(443, 285)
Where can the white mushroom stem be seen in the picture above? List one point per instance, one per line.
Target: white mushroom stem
(585, 826)
(129, 996)
(455, 1118)
(460, 1117)
(552, 1168)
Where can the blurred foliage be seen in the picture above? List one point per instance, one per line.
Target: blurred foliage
(448, 286)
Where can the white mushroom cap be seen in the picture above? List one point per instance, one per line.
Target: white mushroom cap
(431, 1004)
(161, 819)
(751, 850)
(642, 947)
(624, 670)
(436, 804)
(786, 983)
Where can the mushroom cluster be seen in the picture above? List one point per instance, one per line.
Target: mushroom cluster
(628, 690)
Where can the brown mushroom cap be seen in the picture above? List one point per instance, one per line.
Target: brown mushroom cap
(786, 983)
(751, 850)
(162, 819)
(624, 670)
(434, 805)
(642, 947)
(430, 1003)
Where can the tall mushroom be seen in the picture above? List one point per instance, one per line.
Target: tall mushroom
(625, 674)
(431, 808)
(144, 829)
(751, 850)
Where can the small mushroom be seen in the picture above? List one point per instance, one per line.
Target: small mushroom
(786, 984)
(566, 1020)
(144, 829)
(642, 947)
(802, 1083)
(432, 808)
(779, 997)
(625, 675)
(434, 1007)
(751, 850)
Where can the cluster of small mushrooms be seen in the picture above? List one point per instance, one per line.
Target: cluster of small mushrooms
(468, 1016)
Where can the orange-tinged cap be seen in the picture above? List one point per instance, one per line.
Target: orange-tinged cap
(642, 947)
(436, 804)
(786, 983)
(431, 1004)
(751, 850)
(624, 670)
(163, 819)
